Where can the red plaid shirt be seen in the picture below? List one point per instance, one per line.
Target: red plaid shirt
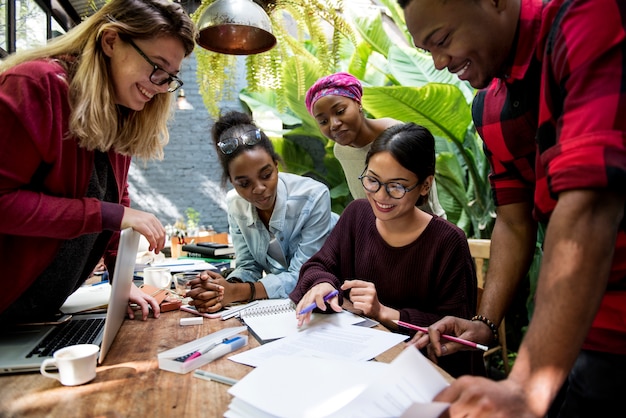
(557, 121)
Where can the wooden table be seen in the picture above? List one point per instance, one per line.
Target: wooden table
(130, 383)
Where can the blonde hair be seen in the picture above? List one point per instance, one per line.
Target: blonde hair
(96, 122)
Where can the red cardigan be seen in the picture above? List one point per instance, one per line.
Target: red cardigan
(44, 177)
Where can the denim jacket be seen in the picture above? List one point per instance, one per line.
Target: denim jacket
(301, 222)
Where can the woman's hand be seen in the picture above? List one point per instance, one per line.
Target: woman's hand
(316, 295)
(144, 301)
(147, 225)
(364, 297)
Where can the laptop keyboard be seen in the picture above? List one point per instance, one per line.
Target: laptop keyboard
(81, 331)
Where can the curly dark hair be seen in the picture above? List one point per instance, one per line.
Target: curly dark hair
(234, 124)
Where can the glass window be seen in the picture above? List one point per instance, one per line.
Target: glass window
(57, 29)
(3, 26)
(31, 24)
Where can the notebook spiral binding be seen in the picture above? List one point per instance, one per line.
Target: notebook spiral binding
(288, 306)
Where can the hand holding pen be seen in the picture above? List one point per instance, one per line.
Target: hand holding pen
(312, 306)
(304, 315)
(444, 336)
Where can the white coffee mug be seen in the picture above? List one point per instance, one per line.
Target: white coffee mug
(157, 276)
(76, 364)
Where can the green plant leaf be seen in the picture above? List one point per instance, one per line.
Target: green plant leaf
(439, 107)
(373, 33)
(260, 102)
(412, 67)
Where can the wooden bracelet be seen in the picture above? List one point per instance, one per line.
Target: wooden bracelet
(491, 325)
(252, 291)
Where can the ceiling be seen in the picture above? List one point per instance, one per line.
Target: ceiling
(71, 12)
(74, 11)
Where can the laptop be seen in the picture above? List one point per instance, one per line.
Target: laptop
(25, 348)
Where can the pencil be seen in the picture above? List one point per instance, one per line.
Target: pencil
(447, 337)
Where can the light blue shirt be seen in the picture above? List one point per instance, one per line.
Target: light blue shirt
(301, 222)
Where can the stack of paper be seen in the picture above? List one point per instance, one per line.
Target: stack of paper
(313, 387)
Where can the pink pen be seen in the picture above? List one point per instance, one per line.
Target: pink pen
(198, 353)
(447, 337)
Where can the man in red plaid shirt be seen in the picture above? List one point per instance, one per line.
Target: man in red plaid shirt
(552, 115)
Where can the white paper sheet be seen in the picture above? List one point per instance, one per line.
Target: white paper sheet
(326, 341)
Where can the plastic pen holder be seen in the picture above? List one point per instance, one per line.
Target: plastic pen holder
(167, 359)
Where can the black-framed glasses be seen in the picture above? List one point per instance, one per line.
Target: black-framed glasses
(249, 138)
(394, 189)
(159, 76)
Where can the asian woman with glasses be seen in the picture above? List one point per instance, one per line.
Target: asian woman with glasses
(390, 259)
(276, 220)
(74, 113)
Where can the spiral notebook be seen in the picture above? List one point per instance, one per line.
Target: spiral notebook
(271, 319)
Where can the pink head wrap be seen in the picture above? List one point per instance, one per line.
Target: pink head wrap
(338, 84)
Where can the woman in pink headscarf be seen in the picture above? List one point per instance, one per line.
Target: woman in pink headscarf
(335, 103)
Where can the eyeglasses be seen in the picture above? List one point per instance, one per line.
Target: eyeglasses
(394, 190)
(249, 138)
(159, 76)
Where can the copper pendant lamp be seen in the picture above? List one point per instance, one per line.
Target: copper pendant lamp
(235, 27)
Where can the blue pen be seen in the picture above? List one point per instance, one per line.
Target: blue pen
(314, 305)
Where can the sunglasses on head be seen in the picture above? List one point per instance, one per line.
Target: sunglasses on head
(249, 138)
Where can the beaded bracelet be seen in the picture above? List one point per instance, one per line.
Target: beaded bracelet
(491, 325)
(252, 291)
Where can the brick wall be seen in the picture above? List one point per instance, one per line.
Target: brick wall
(189, 175)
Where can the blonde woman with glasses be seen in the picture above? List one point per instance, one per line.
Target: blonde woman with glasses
(276, 220)
(74, 112)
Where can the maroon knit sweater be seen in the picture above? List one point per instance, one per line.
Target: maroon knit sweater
(430, 278)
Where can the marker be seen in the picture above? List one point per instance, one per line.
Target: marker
(314, 305)
(201, 374)
(447, 337)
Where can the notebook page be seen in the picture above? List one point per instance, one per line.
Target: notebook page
(276, 318)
